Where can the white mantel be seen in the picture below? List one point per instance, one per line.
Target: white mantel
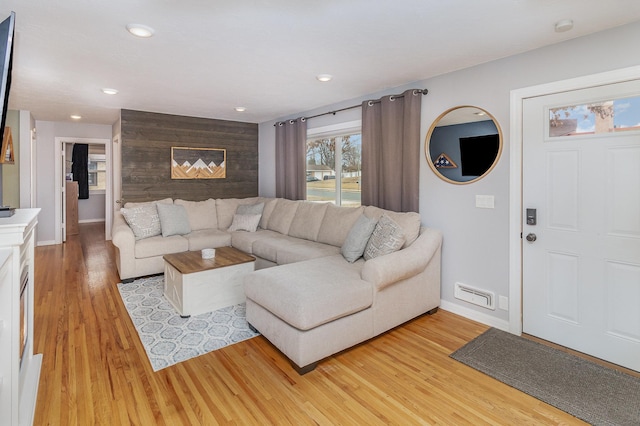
(18, 379)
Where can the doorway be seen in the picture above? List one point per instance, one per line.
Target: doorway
(581, 192)
(61, 172)
(517, 208)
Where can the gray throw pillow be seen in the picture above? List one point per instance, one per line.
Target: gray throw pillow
(173, 219)
(143, 220)
(387, 237)
(250, 208)
(357, 238)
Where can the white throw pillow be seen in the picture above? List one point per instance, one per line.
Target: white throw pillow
(245, 222)
(173, 219)
(387, 237)
(143, 220)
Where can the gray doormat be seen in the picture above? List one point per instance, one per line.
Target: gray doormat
(589, 391)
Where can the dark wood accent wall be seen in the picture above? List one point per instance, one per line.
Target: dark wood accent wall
(147, 139)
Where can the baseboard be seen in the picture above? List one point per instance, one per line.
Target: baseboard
(475, 315)
(46, 243)
(91, 220)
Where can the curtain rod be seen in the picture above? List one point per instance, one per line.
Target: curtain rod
(391, 97)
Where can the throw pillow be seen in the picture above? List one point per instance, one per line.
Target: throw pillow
(143, 220)
(357, 238)
(245, 222)
(250, 208)
(386, 238)
(173, 219)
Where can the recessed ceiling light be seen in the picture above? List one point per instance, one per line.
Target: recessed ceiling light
(140, 30)
(324, 77)
(108, 91)
(564, 25)
(240, 109)
(75, 116)
(479, 113)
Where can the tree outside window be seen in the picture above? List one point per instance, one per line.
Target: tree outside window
(322, 177)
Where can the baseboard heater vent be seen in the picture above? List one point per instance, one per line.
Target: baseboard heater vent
(484, 298)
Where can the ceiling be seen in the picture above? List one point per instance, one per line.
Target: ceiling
(209, 56)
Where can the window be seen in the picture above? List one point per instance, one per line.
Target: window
(328, 148)
(97, 172)
(617, 115)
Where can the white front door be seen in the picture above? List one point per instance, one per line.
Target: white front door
(581, 258)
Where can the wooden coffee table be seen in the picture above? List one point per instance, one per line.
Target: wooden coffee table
(195, 285)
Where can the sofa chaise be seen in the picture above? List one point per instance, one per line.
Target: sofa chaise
(327, 277)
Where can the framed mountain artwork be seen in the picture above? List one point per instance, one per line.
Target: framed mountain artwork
(198, 163)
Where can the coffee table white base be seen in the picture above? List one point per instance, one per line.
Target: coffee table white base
(205, 291)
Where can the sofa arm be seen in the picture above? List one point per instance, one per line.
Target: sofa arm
(122, 237)
(385, 270)
(121, 233)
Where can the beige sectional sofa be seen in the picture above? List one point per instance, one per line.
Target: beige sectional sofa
(304, 297)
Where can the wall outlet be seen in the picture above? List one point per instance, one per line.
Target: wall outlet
(503, 303)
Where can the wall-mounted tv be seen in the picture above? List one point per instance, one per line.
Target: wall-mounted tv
(477, 154)
(6, 61)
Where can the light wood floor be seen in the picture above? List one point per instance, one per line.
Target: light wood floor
(95, 370)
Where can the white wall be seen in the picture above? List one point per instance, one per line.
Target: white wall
(92, 209)
(11, 172)
(46, 132)
(476, 241)
(27, 184)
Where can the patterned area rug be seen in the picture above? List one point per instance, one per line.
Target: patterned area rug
(168, 338)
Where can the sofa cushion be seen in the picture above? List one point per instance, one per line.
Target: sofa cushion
(207, 238)
(244, 240)
(269, 206)
(386, 238)
(337, 223)
(357, 238)
(307, 221)
(173, 219)
(158, 246)
(282, 216)
(299, 250)
(202, 214)
(226, 208)
(267, 248)
(310, 293)
(143, 220)
(245, 222)
(409, 222)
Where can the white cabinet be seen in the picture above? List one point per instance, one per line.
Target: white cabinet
(19, 367)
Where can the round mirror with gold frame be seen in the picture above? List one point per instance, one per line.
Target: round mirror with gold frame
(463, 144)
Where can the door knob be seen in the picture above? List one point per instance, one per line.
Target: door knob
(531, 237)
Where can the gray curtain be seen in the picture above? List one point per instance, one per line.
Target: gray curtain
(391, 152)
(291, 148)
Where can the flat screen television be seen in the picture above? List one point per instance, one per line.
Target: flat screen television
(477, 154)
(6, 61)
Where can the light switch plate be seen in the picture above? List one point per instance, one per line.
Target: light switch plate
(485, 201)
